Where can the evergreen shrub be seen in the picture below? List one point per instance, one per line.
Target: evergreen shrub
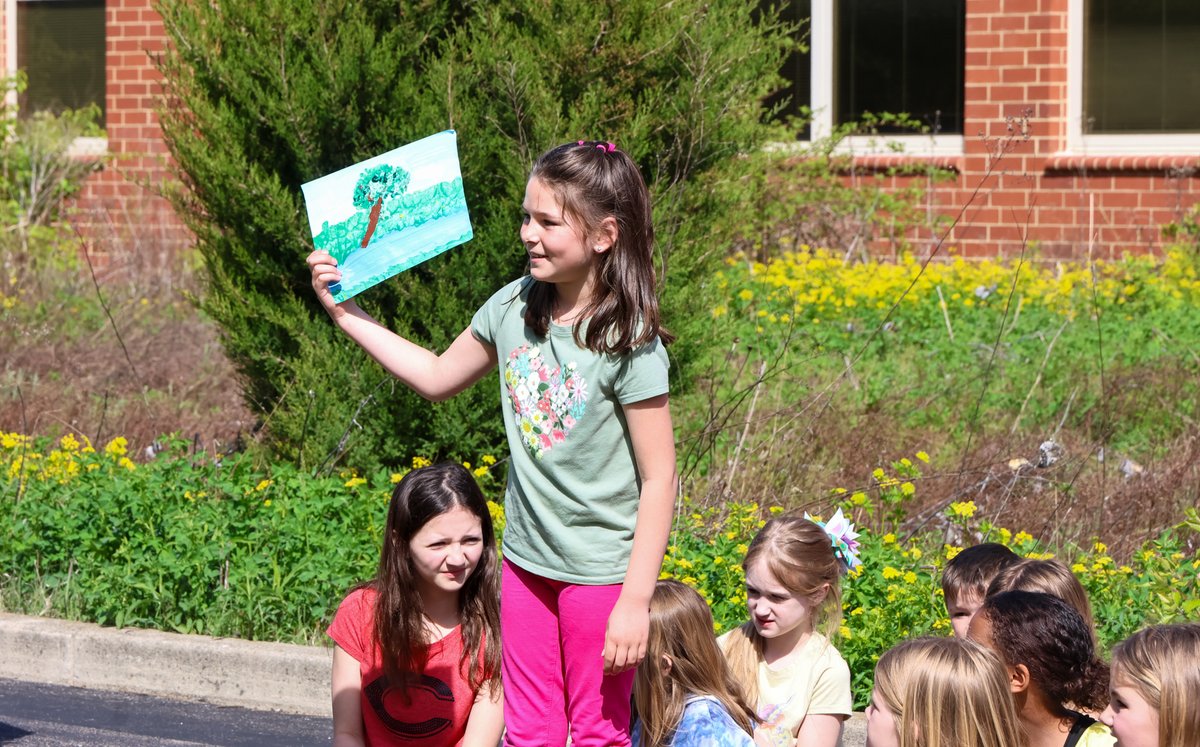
(262, 97)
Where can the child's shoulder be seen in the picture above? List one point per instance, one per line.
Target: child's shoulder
(359, 602)
(707, 723)
(514, 290)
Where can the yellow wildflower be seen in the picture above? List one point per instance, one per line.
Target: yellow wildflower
(1079, 568)
(127, 463)
(890, 573)
(396, 477)
(922, 456)
(1023, 537)
(951, 551)
(907, 488)
(116, 447)
(420, 461)
(488, 459)
(69, 443)
(354, 482)
(889, 539)
(964, 509)
(263, 485)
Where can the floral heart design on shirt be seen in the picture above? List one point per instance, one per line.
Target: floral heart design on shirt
(548, 402)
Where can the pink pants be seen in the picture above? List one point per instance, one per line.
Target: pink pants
(553, 664)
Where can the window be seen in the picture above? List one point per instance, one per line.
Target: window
(1134, 84)
(882, 56)
(60, 46)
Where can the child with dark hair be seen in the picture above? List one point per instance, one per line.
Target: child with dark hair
(417, 654)
(966, 578)
(1051, 660)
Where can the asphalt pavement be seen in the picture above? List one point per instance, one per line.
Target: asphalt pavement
(40, 715)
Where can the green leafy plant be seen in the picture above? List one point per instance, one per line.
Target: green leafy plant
(267, 96)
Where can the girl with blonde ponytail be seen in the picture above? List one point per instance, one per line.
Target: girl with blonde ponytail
(782, 657)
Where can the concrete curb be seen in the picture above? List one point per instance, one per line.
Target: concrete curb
(224, 671)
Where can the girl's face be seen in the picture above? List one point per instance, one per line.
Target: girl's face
(882, 730)
(446, 551)
(774, 609)
(1133, 721)
(557, 250)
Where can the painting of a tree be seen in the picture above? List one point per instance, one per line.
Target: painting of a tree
(383, 183)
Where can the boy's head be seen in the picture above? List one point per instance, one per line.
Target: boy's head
(966, 577)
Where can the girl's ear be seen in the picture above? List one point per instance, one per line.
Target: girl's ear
(818, 596)
(666, 665)
(605, 235)
(1018, 678)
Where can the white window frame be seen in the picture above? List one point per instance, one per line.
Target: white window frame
(82, 146)
(1081, 143)
(823, 69)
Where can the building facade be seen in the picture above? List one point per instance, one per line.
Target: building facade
(1098, 99)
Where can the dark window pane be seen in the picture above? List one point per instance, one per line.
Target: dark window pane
(900, 56)
(60, 46)
(1142, 66)
(797, 69)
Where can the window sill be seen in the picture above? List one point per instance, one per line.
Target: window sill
(1077, 162)
(88, 147)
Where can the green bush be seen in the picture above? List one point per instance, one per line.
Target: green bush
(187, 542)
(38, 173)
(266, 96)
(896, 594)
(196, 544)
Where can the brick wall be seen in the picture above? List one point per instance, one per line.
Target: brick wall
(119, 208)
(1016, 64)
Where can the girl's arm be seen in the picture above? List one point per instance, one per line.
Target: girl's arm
(485, 725)
(347, 700)
(819, 730)
(649, 423)
(434, 377)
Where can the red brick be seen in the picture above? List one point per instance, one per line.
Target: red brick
(1008, 94)
(1043, 22)
(977, 7)
(1019, 74)
(1020, 39)
(1007, 57)
(1006, 23)
(1021, 6)
(982, 75)
(1053, 39)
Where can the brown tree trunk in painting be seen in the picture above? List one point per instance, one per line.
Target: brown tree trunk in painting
(374, 219)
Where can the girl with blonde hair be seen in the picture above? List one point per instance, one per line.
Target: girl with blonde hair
(782, 657)
(941, 692)
(1155, 690)
(683, 693)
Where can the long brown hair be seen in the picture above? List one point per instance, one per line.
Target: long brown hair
(400, 631)
(681, 629)
(947, 692)
(1160, 663)
(594, 182)
(799, 554)
(1050, 638)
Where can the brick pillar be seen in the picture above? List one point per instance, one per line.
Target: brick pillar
(120, 210)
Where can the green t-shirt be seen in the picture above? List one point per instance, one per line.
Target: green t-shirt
(573, 487)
